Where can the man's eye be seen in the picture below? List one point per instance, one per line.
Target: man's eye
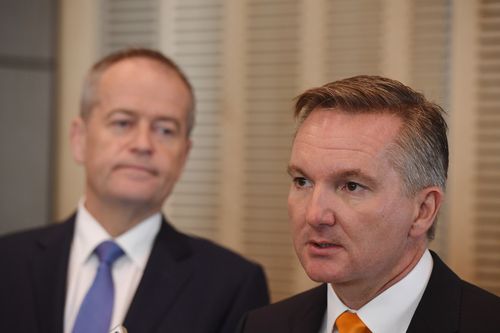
(121, 123)
(165, 128)
(301, 182)
(352, 186)
(165, 131)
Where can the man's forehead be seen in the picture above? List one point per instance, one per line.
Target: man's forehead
(132, 67)
(336, 125)
(139, 60)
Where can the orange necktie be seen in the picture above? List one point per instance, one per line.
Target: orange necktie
(349, 322)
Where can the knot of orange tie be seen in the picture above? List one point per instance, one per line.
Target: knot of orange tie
(349, 322)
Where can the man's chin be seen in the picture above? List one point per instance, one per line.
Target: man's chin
(137, 192)
(321, 272)
(322, 277)
(136, 199)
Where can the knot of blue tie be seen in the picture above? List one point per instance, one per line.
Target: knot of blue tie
(108, 251)
(96, 309)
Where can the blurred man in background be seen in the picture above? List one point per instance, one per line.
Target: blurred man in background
(117, 260)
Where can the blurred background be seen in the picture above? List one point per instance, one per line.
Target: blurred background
(247, 60)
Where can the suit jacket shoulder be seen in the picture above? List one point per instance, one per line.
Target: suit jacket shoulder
(188, 277)
(33, 279)
(300, 313)
(450, 304)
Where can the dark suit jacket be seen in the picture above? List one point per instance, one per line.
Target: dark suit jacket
(189, 284)
(448, 305)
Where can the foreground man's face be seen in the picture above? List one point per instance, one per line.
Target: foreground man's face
(349, 215)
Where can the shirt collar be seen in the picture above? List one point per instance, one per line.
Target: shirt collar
(136, 243)
(400, 300)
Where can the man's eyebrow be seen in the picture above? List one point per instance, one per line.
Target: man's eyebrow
(294, 169)
(120, 111)
(357, 173)
(129, 112)
(351, 173)
(343, 174)
(167, 119)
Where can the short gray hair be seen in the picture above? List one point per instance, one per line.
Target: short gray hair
(89, 97)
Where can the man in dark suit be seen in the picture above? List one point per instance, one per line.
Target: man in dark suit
(368, 166)
(117, 261)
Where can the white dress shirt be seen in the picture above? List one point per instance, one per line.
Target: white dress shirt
(392, 310)
(127, 270)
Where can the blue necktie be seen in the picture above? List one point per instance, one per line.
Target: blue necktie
(96, 310)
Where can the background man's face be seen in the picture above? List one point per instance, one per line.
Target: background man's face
(134, 143)
(350, 219)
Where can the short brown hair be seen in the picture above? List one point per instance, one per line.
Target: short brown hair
(420, 153)
(89, 97)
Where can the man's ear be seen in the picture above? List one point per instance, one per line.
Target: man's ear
(183, 158)
(187, 149)
(427, 204)
(78, 139)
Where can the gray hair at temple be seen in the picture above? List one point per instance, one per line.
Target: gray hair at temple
(420, 152)
(89, 97)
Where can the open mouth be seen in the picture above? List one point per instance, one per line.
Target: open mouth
(323, 245)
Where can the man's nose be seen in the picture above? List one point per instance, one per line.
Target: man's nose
(320, 207)
(142, 142)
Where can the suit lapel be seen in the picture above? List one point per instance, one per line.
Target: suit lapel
(50, 265)
(439, 308)
(166, 273)
(310, 315)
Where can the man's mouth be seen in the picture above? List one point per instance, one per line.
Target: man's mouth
(137, 168)
(323, 245)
